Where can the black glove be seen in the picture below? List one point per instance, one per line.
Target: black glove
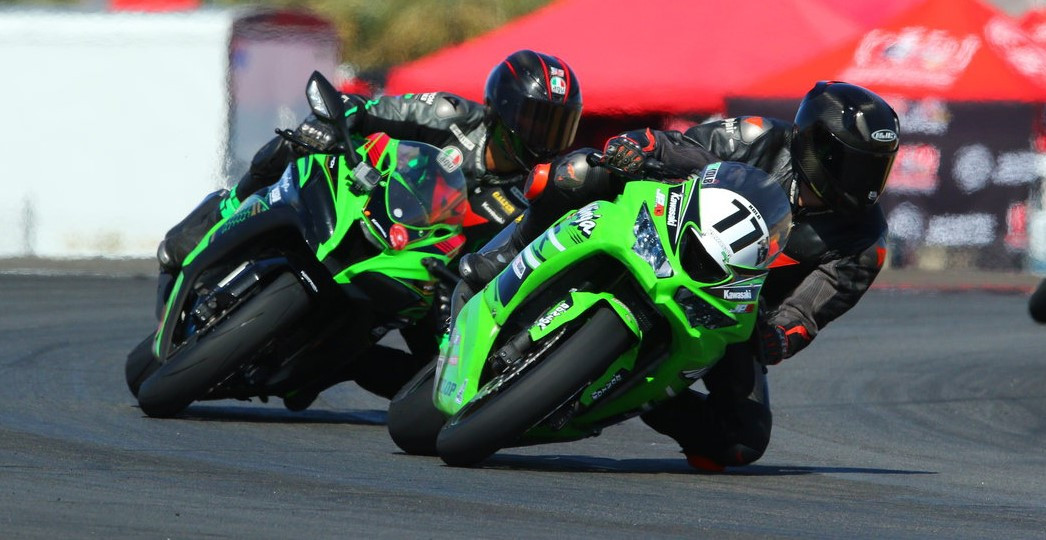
(629, 151)
(773, 343)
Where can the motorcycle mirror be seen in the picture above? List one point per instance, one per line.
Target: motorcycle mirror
(328, 104)
(324, 99)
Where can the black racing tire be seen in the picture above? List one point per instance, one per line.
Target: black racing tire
(141, 363)
(414, 421)
(192, 371)
(1037, 303)
(476, 433)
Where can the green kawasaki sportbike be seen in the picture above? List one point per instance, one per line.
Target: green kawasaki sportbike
(346, 245)
(617, 307)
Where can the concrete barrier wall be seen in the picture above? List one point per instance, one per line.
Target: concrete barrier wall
(113, 127)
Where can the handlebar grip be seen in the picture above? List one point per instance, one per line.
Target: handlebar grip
(440, 271)
(653, 165)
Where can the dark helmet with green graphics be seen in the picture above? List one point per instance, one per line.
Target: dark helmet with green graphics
(536, 100)
(844, 142)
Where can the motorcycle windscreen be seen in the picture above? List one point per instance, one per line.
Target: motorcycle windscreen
(758, 199)
(427, 187)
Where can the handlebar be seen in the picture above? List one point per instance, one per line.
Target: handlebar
(440, 271)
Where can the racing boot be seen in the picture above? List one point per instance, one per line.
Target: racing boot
(477, 269)
(183, 237)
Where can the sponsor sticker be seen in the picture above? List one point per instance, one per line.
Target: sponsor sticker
(463, 139)
(519, 267)
(450, 158)
(558, 85)
(585, 219)
(674, 198)
(508, 207)
(614, 381)
(562, 308)
(710, 173)
(448, 388)
(736, 292)
(659, 203)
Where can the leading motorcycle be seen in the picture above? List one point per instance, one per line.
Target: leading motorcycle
(616, 308)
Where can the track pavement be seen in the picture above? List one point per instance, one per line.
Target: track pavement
(921, 413)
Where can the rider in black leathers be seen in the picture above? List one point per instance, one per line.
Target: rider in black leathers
(531, 113)
(833, 161)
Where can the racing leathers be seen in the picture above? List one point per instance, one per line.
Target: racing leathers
(829, 262)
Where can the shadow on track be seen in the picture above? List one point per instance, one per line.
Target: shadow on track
(272, 415)
(675, 465)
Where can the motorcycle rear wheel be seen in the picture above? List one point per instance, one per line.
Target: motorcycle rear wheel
(476, 433)
(192, 371)
(414, 421)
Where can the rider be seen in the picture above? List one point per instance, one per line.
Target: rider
(832, 161)
(531, 113)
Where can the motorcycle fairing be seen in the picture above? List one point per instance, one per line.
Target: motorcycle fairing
(595, 230)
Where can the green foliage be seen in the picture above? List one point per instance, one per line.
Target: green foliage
(380, 33)
(376, 34)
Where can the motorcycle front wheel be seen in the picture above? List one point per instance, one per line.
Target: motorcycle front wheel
(500, 419)
(141, 364)
(193, 370)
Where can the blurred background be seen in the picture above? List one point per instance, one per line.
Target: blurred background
(120, 115)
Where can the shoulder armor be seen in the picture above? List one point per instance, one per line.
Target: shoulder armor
(751, 127)
(448, 105)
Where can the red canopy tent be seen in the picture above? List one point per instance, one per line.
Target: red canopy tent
(658, 56)
(958, 50)
(967, 83)
(1034, 23)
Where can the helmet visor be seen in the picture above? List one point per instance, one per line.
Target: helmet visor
(851, 178)
(545, 128)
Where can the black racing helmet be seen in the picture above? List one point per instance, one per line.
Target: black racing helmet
(537, 100)
(843, 144)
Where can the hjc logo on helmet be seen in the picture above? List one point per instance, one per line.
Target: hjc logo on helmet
(884, 135)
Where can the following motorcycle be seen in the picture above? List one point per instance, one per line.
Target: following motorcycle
(344, 248)
(616, 308)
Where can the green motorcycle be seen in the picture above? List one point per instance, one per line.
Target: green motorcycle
(344, 248)
(617, 307)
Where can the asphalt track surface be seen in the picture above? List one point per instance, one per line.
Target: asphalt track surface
(917, 415)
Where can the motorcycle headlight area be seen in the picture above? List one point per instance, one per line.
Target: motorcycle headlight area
(700, 313)
(648, 244)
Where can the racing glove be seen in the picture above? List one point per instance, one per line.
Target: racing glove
(773, 343)
(629, 151)
(777, 342)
